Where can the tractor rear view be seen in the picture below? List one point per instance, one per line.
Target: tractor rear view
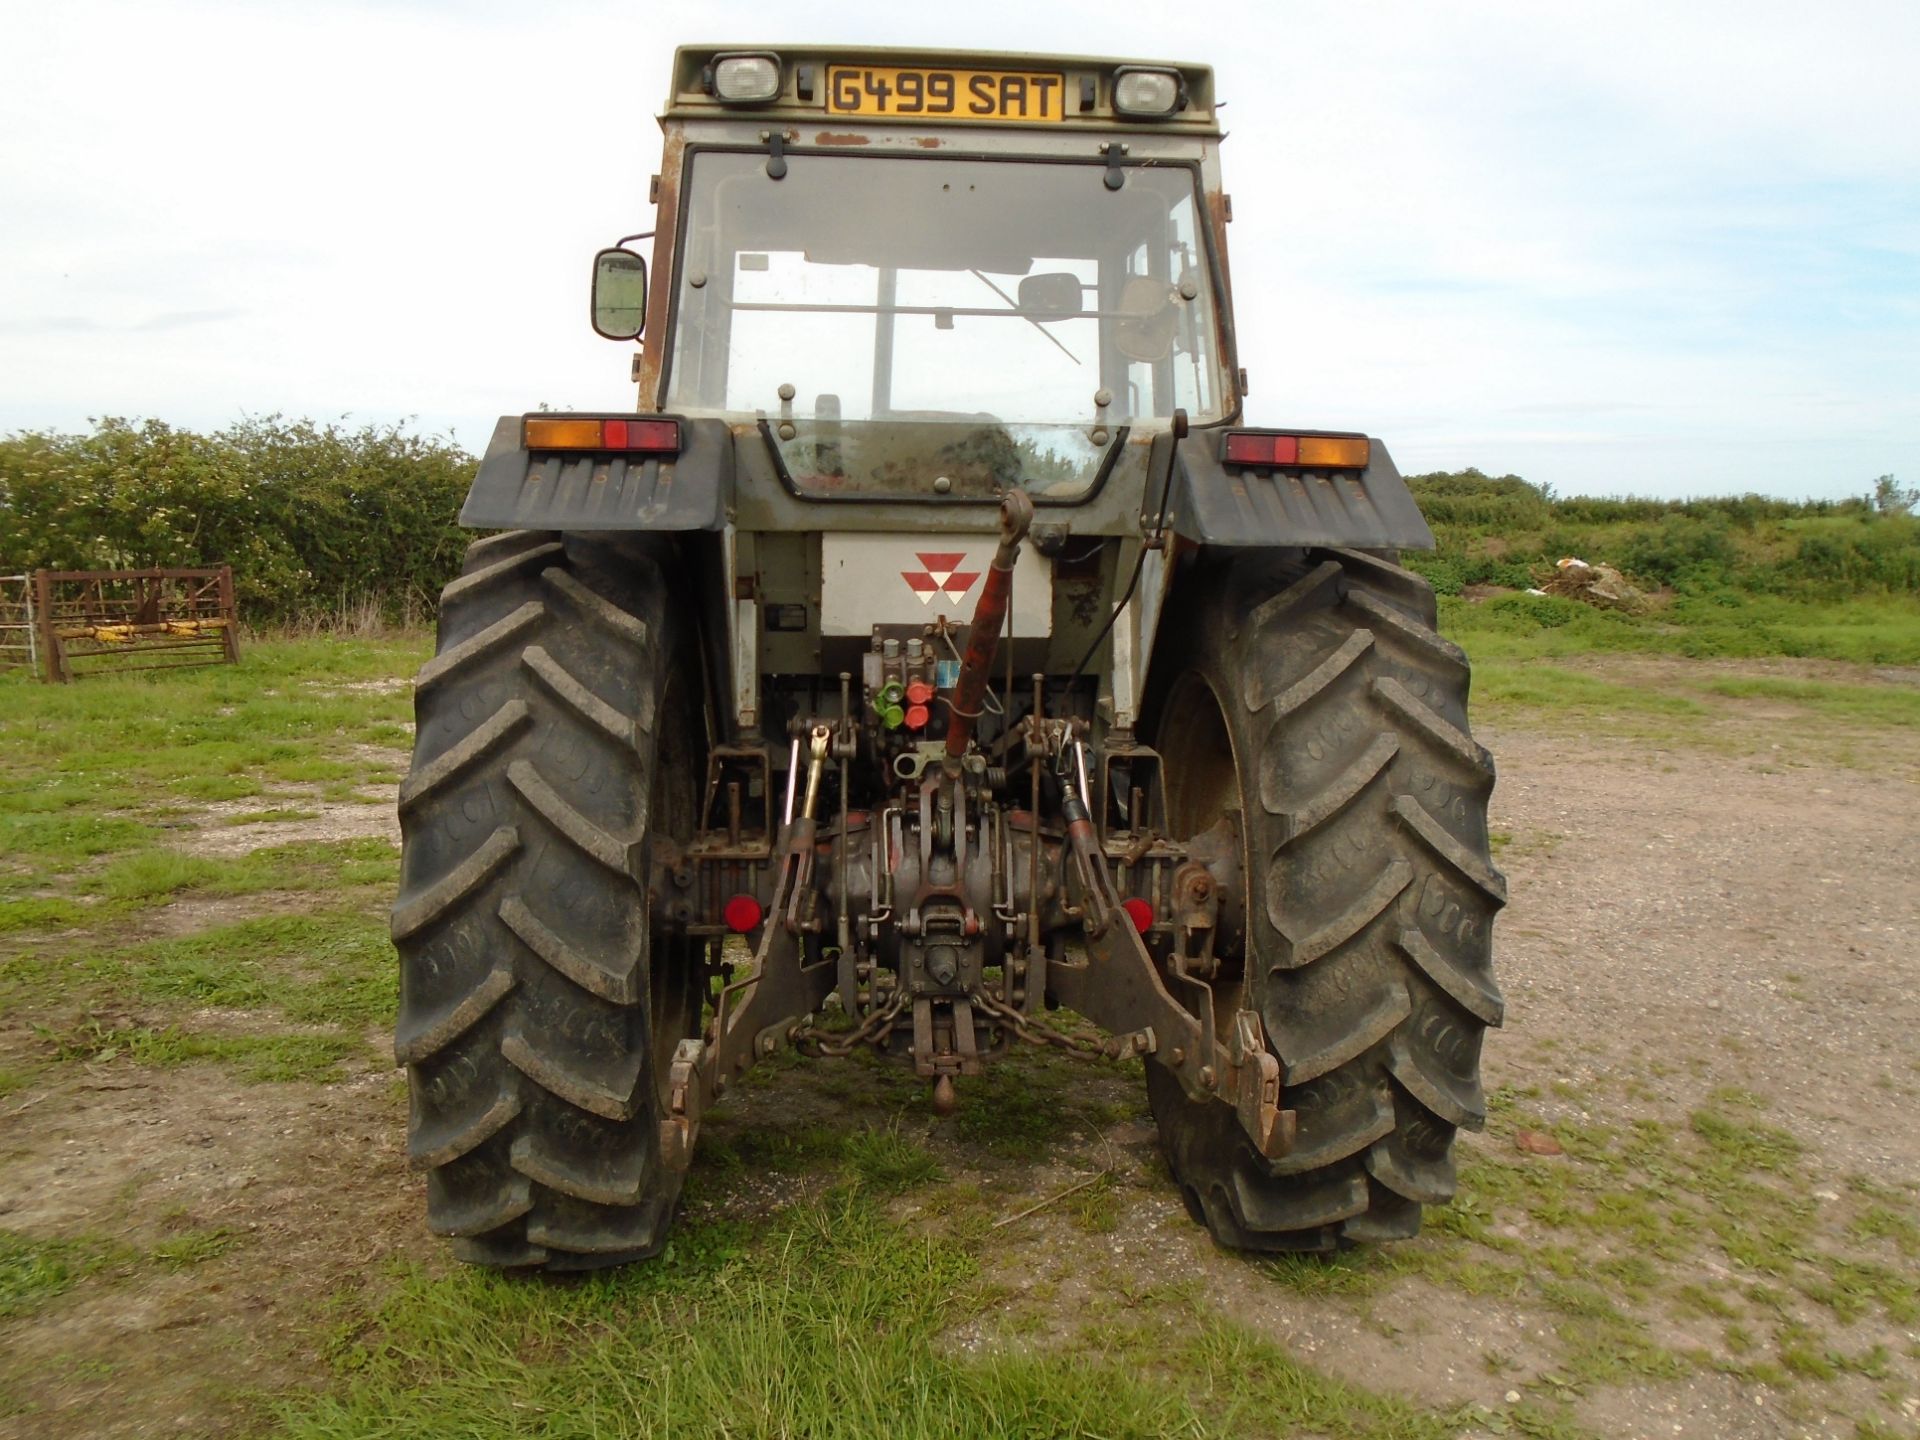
(933, 646)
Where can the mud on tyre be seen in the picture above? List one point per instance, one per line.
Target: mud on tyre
(1320, 703)
(558, 736)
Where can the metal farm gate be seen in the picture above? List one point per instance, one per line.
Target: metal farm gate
(110, 622)
(19, 640)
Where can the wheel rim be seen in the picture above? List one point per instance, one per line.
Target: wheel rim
(1201, 777)
(1196, 757)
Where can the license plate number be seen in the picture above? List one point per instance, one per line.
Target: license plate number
(901, 93)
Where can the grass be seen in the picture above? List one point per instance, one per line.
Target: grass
(35, 1270)
(1501, 687)
(1625, 1224)
(262, 1059)
(1873, 630)
(89, 770)
(1533, 663)
(871, 1295)
(885, 1162)
(102, 787)
(834, 1321)
(1866, 704)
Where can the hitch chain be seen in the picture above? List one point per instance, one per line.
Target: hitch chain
(812, 1041)
(1037, 1032)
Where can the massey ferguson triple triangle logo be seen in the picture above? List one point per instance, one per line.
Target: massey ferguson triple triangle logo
(943, 576)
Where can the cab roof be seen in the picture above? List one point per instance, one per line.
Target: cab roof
(1004, 88)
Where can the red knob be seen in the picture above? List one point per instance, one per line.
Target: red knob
(916, 717)
(1140, 912)
(918, 692)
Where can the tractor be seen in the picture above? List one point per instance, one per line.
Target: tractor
(936, 661)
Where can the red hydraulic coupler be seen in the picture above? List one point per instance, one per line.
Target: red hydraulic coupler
(983, 636)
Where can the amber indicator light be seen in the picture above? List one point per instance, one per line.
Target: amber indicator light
(649, 437)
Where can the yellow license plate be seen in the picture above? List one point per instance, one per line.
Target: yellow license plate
(902, 93)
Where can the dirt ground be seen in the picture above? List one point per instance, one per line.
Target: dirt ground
(1684, 922)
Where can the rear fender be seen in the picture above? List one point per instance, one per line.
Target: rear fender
(1213, 503)
(516, 490)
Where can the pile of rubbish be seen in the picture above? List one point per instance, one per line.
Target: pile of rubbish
(1600, 586)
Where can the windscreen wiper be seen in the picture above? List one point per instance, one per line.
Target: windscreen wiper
(1014, 306)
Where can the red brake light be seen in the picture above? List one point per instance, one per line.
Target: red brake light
(659, 437)
(1246, 447)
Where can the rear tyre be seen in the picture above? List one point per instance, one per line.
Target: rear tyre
(1318, 701)
(558, 736)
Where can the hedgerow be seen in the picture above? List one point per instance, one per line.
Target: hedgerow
(1502, 531)
(314, 519)
(321, 519)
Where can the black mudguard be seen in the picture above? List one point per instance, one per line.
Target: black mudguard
(1213, 503)
(516, 490)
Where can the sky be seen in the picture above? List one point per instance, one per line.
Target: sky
(1665, 247)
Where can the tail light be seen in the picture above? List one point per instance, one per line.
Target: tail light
(1266, 450)
(576, 432)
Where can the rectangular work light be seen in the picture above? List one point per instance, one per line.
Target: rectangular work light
(746, 79)
(575, 432)
(1145, 92)
(1265, 450)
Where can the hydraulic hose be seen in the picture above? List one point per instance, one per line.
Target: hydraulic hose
(983, 635)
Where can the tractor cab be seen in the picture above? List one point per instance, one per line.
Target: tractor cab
(923, 277)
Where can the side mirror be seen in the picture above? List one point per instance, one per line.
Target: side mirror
(619, 294)
(1050, 295)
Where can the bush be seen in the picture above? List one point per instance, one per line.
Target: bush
(1684, 547)
(312, 518)
(1503, 531)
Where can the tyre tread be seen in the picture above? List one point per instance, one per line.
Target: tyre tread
(1370, 957)
(525, 1020)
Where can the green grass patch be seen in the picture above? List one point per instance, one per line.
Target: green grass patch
(156, 875)
(1013, 1113)
(196, 1247)
(150, 874)
(1499, 685)
(322, 967)
(886, 1162)
(1876, 630)
(34, 1271)
(220, 733)
(41, 914)
(271, 817)
(832, 1322)
(259, 1059)
(68, 835)
(1745, 1147)
(1864, 704)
